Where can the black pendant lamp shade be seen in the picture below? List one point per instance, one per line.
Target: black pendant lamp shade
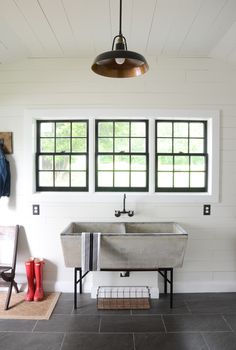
(120, 63)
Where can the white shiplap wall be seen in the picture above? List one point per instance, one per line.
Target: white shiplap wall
(210, 262)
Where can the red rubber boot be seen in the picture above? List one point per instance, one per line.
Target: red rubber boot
(29, 266)
(38, 270)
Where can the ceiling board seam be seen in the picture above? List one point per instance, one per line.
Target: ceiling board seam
(226, 1)
(54, 34)
(110, 19)
(190, 27)
(68, 20)
(230, 53)
(132, 17)
(151, 24)
(22, 13)
(5, 47)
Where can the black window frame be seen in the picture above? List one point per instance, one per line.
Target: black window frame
(39, 153)
(146, 154)
(204, 154)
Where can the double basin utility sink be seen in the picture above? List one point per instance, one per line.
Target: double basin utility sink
(136, 245)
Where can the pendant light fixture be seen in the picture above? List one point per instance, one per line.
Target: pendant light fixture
(119, 62)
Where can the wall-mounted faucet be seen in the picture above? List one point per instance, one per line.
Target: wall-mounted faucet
(124, 211)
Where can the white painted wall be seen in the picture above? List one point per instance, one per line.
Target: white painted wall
(210, 262)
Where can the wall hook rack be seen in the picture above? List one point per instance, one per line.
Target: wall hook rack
(124, 211)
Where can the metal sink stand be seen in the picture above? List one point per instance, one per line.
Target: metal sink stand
(163, 271)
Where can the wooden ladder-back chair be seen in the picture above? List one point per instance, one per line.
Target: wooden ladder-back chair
(8, 253)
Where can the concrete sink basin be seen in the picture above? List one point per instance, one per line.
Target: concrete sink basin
(146, 245)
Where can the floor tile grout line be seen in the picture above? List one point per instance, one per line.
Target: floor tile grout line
(228, 324)
(134, 342)
(99, 326)
(34, 326)
(205, 341)
(63, 340)
(187, 306)
(162, 318)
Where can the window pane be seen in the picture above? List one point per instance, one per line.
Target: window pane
(47, 129)
(181, 179)
(45, 178)
(197, 163)
(79, 129)
(121, 129)
(180, 145)
(165, 163)
(62, 162)
(47, 145)
(196, 146)
(121, 179)
(138, 145)
(121, 162)
(79, 145)
(164, 145)
(63, 129)
(105, 162)
(105, 129)
(127, 138)
(197, 179)
(62, 145)
(78, 179)
(122, 145)
(55, 139)
(138, 163)
(45, 162)
(196, 130)
(180, 129)
(164, 129)
(181, 163)
(188, 137)
(138, 179)
(78, 163)
(105, 145)
(165, 179)
(62, 179)
(138, 129)
(105, 179)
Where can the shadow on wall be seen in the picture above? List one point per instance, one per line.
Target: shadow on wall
(49, 276)
(23, 254)
(12, 198)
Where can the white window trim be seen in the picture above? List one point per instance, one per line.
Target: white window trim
(213, 137)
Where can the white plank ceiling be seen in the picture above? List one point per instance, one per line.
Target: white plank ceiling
(84, 28)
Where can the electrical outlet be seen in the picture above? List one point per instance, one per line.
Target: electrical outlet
(36, 209)
(206, 209)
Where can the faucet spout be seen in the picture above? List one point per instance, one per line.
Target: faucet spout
(124, 199)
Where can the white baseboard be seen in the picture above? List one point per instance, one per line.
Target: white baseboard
(179, 287)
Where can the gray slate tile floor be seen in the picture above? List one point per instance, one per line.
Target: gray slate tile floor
(197, 322)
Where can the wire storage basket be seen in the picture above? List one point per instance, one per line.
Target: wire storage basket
(115, 298)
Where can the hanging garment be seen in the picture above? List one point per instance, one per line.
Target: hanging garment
(5, 175)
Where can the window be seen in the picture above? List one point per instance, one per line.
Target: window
(181, 156)
(121, 155)
(62, 155)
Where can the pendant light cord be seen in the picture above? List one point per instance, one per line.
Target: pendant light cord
(120, 31)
